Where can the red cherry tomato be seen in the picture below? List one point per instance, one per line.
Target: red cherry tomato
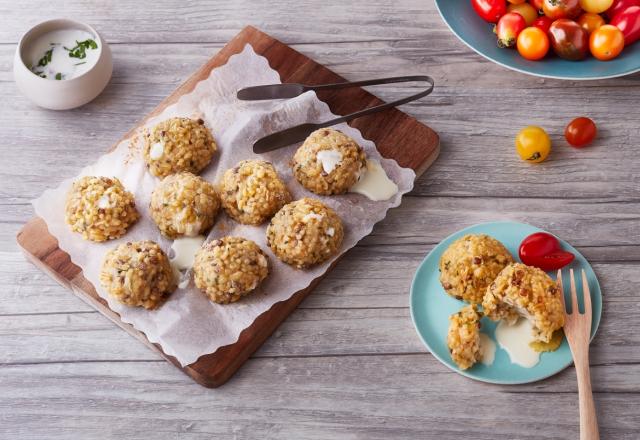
(628, 21)
(619, 6)
(543, 250)
(543, 23)
(555, 9)
(508, 29)
(490, 10)
(580, 132)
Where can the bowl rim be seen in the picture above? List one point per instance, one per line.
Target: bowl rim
(58, 24)
(526, 72)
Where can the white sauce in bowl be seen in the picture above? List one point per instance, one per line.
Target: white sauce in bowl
(62, 54)
(375, 184)
(515, 339)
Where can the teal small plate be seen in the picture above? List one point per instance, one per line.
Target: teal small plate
(477, 34)
(431, 308)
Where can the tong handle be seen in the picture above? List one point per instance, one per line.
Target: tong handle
(377, 108)
(371, 82)
(298, 133)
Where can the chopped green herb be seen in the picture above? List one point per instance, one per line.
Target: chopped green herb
(77, 64)
(42, 75)
(79, 50)
(46, 59)
(58, 76)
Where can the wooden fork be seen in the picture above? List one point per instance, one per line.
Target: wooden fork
(577, 328)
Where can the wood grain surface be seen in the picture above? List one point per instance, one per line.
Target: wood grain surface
(347, 363)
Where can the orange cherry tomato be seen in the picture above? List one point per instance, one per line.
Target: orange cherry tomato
(516, 2)
(537, 4)
(533, 43)
(580, 132)
(606, 42)
(590, 21)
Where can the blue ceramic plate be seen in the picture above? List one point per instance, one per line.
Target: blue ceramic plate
(477, 34)
(431, 307)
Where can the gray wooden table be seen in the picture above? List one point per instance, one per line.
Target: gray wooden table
(348, 363)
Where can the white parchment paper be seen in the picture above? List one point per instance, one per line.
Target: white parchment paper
(188, 325)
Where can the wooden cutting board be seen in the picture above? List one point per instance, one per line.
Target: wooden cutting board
(396, 135)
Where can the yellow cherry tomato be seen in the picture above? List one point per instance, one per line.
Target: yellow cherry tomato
(516, 2)
(596, 6)
(527, 11)
(533, 144)
(590, 21)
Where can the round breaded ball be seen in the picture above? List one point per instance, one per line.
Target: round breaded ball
(229, 268)
(526, 291)
(304, 233)
(463, 337)
(100, 208)
(251, 193)
(178, 144)
(470, 264)
(138, 274)
(184, 205)
(328, 162)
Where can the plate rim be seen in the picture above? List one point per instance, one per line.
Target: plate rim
(526, 72)
(464, 372)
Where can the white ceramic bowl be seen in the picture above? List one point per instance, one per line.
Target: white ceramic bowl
(69, 93)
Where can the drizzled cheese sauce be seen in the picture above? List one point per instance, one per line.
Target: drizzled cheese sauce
(156, 151)
(515, 339)
(329, 159)
(487, 349)
(183, 256)
(104, 202)
(374, 183)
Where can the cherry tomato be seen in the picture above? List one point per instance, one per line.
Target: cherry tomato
(490, 10)
(533, 43)
(543, 250)
(533, 144)
(568, 39)
(590, 21)
(508, 29)
(628, 21)
(555, 9)
(516, 2)
(580, 132)
(606, 42)
(527, 11)
(537, 4)
(595, 6)
(543, 23)
(619, 6)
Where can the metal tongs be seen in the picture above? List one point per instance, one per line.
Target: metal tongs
(300, 132)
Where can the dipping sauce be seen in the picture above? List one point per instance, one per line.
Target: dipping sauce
(62, 54)
(487, 349)
(515, 339)
(375, 184)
